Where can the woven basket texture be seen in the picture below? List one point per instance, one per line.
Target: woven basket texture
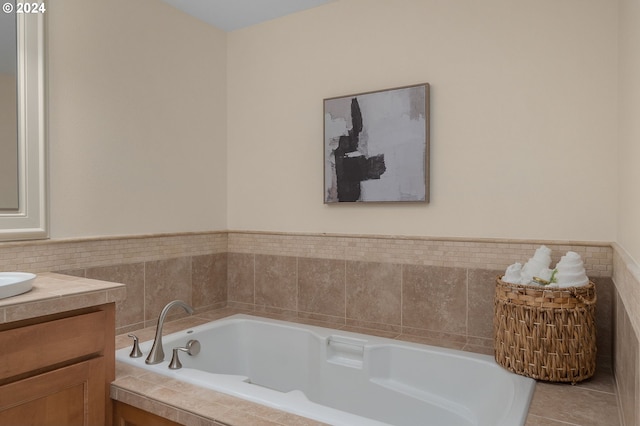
(546, 333)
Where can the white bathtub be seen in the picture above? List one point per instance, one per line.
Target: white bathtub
(343, 378)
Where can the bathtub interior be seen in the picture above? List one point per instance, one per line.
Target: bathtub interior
(392, 382)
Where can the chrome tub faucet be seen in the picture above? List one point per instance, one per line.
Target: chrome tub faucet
(156, 355)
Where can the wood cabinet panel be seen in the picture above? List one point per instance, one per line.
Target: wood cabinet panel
(56, 370)
(38, 346)
(73, 395)
(127, 415)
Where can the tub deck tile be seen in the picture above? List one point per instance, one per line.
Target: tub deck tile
(575, 405)
(543, 421)
(431, 342)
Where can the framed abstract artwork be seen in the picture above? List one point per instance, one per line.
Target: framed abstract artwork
(376, 146)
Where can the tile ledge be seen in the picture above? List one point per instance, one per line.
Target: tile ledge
(427, 238)
(108, 238)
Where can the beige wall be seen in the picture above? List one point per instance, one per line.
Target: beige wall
(523, 114)
(629, 128)
(8, 142)
(137, 119)
(138, 139)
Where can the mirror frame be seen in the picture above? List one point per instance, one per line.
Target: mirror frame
(30, 221)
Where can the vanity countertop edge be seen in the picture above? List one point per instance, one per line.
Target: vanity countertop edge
(54, 293)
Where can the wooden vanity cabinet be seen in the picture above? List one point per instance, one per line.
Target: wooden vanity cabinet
(56, 370)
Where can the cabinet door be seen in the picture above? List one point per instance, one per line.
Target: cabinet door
(72, 395)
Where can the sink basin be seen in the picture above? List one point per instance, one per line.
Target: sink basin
(14, 283)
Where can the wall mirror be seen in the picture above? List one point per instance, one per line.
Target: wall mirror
(23, 126)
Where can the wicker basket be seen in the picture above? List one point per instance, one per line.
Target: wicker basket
(546, 333)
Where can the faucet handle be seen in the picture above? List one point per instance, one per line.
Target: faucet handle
(192, 348)
(175, 363)
(135, 351)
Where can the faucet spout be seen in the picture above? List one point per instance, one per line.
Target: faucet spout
(156, 355)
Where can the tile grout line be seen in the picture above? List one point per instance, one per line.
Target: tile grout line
(466, 310)
(345, 291)
(401, 298)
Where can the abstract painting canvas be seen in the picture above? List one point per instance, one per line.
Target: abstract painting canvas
(376, 146)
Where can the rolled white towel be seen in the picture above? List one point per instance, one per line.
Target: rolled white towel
(512, 274)
(545, 274)
(531, 269)
(580, 283)
(571, 272)
(543, 254)
(540, 261)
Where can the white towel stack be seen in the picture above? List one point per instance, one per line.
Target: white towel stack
(569, 271)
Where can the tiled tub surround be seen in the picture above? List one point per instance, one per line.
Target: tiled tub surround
(155, 269)
(432, 288)
(427, 301)
(199, 280)
(592, 402)
(424, 287)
